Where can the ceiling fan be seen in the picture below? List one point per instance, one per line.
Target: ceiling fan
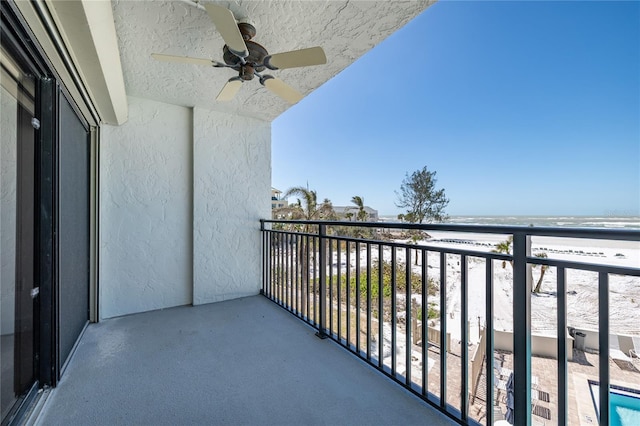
(248, 58)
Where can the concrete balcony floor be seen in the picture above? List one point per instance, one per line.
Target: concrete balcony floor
(244, 361)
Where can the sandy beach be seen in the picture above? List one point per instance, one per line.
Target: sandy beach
(582, 286)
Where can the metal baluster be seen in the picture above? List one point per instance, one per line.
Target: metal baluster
(287, 276)
(308, 279)
(522, 328)
(368, 349)
(323, 284)
(380, 306)
(330, 265)
(393, 311)
(443, 331)
(348, 294)
(489, 338)
(425, 324)
(339, 286)
(464, 345)
(358, 297)
(315, 281)
(603, 332)
(407, 313)
(563, 396)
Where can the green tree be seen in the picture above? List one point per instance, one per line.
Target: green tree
(419, 196)
(306, 208)
(504, 247)
(543, 269)
(362, 213)
(414, 240)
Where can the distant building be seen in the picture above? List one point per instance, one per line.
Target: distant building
(341, 212)
(277, 201)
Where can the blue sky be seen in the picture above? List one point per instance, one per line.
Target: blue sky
(522, 108)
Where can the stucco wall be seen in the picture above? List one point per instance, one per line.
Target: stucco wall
(145, 210)
(8, 177)
(232, 183)
(181, 194)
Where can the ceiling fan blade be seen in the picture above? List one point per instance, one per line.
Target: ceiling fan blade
(182, 59)
(229, 90)
(227, 26)
(281, 89)
(296, 58)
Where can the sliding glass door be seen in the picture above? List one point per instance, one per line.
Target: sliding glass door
(45, 158)
(18, 291)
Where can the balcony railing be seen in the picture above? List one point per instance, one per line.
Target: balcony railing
(390, 303)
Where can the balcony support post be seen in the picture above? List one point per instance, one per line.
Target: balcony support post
(563, 395)
(603, 340)
(322, 305)
(444, 347)
(264, 257)
(522, 282)
(464, 346)
(488, 333)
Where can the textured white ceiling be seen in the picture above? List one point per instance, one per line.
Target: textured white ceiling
(345, 29)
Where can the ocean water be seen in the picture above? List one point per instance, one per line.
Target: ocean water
(609, 222)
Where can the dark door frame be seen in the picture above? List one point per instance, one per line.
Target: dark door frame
(20, 43)
(24, 52)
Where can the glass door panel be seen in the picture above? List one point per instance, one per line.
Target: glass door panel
(17, 225)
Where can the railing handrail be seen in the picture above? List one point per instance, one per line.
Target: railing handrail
(522, 260)
(541, 231)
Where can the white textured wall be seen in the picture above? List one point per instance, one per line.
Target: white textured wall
(232, 187)
(181, 195)
(145, 210)
(8, 163)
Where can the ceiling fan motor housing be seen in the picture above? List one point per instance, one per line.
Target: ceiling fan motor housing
(255, 58)
(247, 30)
(249, 58)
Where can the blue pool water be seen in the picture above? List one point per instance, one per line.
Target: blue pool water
(624, 403)
(625, 409)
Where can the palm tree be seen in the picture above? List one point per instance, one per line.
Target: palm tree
(307, 208)
(327, 211)
(359, 202)
(414, 240)
(543, 269)
(504, 247)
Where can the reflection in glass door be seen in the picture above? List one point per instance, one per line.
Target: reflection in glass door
(17, 226)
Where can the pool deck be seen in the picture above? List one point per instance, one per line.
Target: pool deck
(583, 368)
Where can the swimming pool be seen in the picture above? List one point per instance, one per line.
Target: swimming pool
(624, 403)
